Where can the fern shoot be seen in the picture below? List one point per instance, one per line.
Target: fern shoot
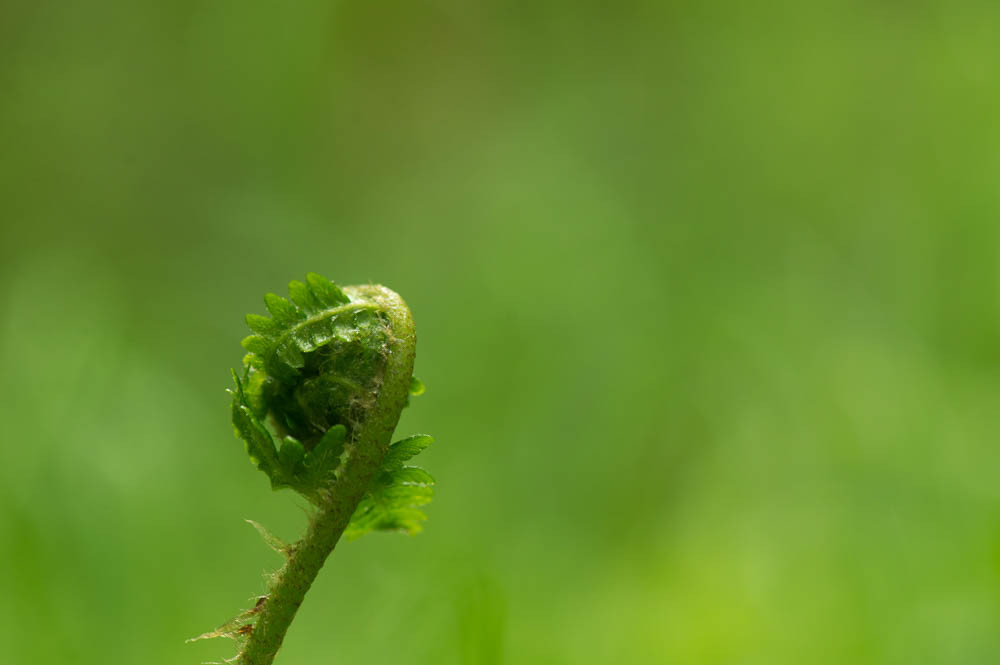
(323, 385)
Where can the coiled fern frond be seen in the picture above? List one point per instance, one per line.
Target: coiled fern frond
(324, 382)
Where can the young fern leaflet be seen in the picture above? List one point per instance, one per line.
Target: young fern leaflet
(323, 384)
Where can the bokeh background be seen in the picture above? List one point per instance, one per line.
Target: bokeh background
(708, 298)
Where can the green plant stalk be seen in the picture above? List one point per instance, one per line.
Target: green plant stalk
(364, 457)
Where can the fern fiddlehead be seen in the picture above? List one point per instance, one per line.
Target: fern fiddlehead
(325, 380)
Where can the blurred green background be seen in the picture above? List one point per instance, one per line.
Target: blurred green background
(708, 298)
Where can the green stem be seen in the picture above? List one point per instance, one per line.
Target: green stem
(361, 464)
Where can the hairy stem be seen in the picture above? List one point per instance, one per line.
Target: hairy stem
(361, 463)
